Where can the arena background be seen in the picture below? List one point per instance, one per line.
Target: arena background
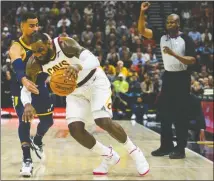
(109, 30)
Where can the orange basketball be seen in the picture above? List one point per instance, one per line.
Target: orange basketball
(60, 85)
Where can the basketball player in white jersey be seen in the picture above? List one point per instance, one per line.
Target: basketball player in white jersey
(91, 97)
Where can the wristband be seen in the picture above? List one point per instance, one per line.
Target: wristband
(19, 68)
(25, 96)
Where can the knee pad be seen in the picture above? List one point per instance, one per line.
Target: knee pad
(24, 132)
(46, 121)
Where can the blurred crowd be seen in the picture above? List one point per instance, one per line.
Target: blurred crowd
(197, 22)
(109, 30)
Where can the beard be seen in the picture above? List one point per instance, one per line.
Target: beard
(45, 58)
(172, 31)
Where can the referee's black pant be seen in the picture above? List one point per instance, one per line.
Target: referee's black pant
(174, 108)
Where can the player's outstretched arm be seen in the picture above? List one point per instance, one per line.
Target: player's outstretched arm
(16, 53)
(29, 110)
(141, 22)
(32, 71)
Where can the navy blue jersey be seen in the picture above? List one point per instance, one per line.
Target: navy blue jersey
(42, 103)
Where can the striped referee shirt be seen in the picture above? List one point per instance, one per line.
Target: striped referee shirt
(182, 45)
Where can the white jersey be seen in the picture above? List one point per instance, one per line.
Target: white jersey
(61, 60)
(178, 45)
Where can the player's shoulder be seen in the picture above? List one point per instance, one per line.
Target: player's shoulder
(16, 51)
(67, 42)
(70, 46)
(15, 46)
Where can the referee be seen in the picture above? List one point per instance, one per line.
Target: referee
(178, 52)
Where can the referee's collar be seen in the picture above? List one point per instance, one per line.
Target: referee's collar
(177, 35)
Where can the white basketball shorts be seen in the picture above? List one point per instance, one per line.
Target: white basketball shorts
(90, 101)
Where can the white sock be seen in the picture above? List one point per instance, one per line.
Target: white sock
(129, 145)
(101, 149)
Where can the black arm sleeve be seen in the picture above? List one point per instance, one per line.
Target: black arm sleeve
(189, 46)
(190, 51)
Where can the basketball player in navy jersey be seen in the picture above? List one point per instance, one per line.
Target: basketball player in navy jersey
(19, 52)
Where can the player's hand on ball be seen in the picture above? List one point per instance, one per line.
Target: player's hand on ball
(61, 85)
(72, 71)
(29, 112)
(145, 6)
(30, 85)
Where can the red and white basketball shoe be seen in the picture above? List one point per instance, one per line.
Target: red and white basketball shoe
(108, 161)
(140, 161)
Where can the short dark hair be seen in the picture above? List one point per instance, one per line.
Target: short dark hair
(36, 36)
(28, 15)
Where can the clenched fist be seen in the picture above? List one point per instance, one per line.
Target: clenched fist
(168, 51)
(145, 6)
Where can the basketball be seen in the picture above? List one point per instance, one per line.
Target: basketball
(60, 85)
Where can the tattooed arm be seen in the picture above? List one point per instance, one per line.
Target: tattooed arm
(87, 60)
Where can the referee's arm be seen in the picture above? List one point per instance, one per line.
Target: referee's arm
(189, 57)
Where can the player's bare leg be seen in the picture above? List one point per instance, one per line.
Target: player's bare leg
(113, 128)
(117, 132)
(82, 136)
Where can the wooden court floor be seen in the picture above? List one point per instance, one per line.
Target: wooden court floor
(67, 160)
